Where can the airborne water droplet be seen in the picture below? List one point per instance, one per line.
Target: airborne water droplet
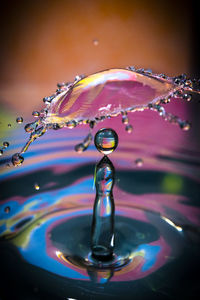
(17, 159)
(36, 186)
(95, 42)
(129, 128)
(185, 125)
(139, 162)
(187, 97)
(125, 119)
(79, 148)
(19, 120)
(71, 124)
(35, 114)
(106, 140)
(7, 209)
(30, 127)
(5, 144)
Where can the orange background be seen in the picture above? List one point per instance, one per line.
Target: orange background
(45, 42)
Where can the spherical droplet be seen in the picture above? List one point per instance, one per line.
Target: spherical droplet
(125, 119)
(17, 159)
(139, 162)
(36, 186)
(95, 42)
(79, 148)
(30, 127)
(187, 97)
(1, 152)
(60, 84)
(185, 125)
(5, 144)
(129, 128)
(35, 114)
(7, 209)
(19, 120)
(71, 124)
(106, 140)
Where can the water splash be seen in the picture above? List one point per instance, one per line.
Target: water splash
(94, 98)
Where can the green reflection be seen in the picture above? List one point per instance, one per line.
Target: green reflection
(172, 184)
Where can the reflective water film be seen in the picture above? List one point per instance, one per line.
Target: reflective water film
(92, 99)
(47, 209)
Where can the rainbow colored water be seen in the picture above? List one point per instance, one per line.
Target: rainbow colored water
(46, 213)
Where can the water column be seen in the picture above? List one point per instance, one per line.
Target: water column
(103, 235)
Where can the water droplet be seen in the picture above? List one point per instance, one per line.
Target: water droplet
(56, 126)
(1, 152)
(187, 97)
(139, 162)
(19, 120)
(185, 125)
(129, 128)
(92, 124)
(36, 186)
(9, 125)
(79, 77)
(83, 146)
(71, 124)
(79, 148)
(7, 209)
(106, 140)
(125, 119)
(17, 159)
(95, 42)
(30, 127)
(60, 84)
(5, 144)
(35, 114)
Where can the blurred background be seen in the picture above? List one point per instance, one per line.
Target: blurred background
(45, 42)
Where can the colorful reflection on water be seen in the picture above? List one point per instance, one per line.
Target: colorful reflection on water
(157, 212)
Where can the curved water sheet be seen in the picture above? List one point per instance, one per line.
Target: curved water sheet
(108, 93)
(91, 99)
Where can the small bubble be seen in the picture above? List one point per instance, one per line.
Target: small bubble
(9, 125)
(19, 120)
(106, 140)
(187, 97)
(95, 42)
(35, 114)
(17, 159)
(5, 144)
(129, 128)
(1, 152)
(36, 186)
(139, 162)
(7, 209)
